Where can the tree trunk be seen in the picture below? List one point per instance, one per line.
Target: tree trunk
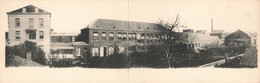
(168, 57)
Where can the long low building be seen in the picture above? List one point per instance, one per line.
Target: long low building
(64, 46)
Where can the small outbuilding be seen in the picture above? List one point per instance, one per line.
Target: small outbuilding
(238, 38)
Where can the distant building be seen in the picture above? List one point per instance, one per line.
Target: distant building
(240, 38)
(63, 37)
(197, 40)
(103, 35)
(188, 30)
(202, 32)
(221, 34)
(253, 38)
(63, 46)
(32, 24)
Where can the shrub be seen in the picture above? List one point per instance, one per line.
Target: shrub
(37, 53)
(8, 55)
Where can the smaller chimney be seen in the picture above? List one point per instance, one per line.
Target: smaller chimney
(212, 24)
(36, 10)
(24, 10)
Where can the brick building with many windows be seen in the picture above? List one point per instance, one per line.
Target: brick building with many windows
(103, 35)
(32, 24)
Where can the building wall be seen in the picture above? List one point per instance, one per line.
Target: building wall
(64, 45)
(198, 41)
(253, 38)
(63, 39)
(106, 47)
(24, 24)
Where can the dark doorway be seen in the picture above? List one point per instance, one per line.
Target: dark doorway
(105, 51)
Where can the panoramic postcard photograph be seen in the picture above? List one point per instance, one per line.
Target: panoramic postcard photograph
(130, 34)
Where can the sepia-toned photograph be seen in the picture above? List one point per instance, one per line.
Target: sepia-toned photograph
(130, 36)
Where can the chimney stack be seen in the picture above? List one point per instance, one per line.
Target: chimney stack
(211, 24)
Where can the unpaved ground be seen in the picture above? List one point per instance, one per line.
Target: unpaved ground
(18, 61)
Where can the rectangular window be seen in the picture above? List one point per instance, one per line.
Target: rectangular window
(95, 52)
(41, 33)
(142, 35)
(17, 35)
(31, 22)
(138, 36)
(147, 36)
(141, 48)
(95, 33)
(17, 21)
(95, 37)
(119, 35)
(31, 34)
(134, 36)
(41, 21)
(111, 36)
(124, 36)
(104, 35)
(129, 35)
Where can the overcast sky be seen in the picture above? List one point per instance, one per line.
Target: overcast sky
(71, 16)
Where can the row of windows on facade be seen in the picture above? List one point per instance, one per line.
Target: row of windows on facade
(31, 22)
(30, 35)
(130, 36)
(63, 39)
(200, 44)
(106, 50)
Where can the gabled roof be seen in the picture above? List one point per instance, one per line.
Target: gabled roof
(123, 25)
(238, 34)
(30, 9)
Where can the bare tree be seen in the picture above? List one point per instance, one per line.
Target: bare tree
(170, 36)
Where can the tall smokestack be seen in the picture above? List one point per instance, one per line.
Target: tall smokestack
(211, 24)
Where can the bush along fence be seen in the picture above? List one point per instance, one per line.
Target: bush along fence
(153, 58)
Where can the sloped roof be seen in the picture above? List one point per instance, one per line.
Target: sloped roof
(238, 35)
(197, 37)
(217, 31)
(123, 25)
(30, 9)
(64, 34)
(201, 31)
(79, 43)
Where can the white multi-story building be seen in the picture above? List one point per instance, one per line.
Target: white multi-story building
(32, 24)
